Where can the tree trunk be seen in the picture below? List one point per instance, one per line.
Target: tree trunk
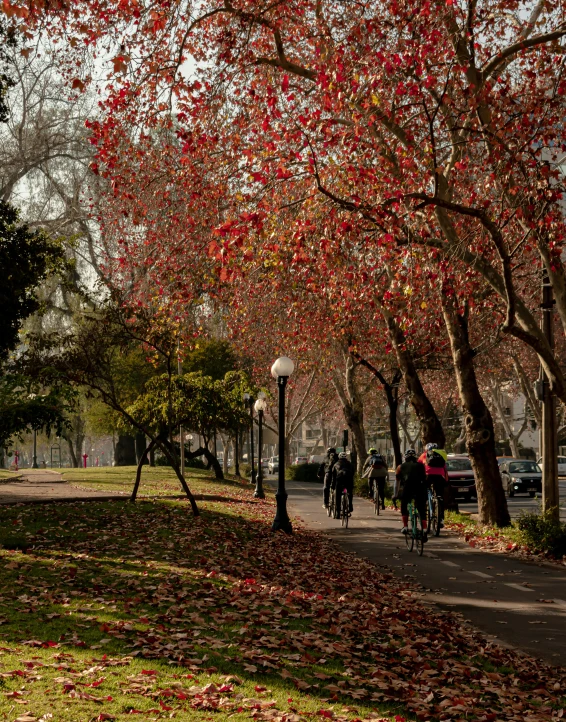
(125, 454)
(480, 437)
(172, 458)
(74, 460)
(353, 409)
(211, 460)
(226, 447)
(140, 446)
(142, 461)
(431, 428)
(392, 395)
(512, 436)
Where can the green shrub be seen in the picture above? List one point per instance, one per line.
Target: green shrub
(543, 534)
(245, 470)
(302, 472)
(361, 488)
(196, 463)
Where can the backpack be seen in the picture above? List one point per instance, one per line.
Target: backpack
(435, 460)
(341, 472)
(376, 461)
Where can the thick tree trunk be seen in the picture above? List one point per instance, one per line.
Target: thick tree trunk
(211, 460)
(393, 404)
(74, 460)
(431, 428)
(125, 454)
(480, 437)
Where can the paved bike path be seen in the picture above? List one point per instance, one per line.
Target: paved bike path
(520, 604)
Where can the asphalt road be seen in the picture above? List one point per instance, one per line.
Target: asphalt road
(523, 503)
(520, 604)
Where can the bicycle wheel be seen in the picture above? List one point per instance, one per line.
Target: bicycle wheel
(345, 511)
(418, 532)
(375, 499)
(409, 539)
(433, 515)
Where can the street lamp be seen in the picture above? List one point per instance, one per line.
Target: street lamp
(248, 398)
(260, 407)
(281, 370)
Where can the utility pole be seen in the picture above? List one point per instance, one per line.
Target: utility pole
(550, 490)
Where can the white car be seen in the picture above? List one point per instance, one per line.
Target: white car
(317, 458)
(561, 465)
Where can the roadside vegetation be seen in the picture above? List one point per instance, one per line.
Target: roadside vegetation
(530, 534)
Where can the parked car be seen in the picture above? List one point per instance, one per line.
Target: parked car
(265, 464)
(503, 459)
(461, 476)
(301, 460)
(273, 465)
(317, 458)
(561, 465)
(521, 477)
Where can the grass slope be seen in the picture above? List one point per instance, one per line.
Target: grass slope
(156, 481)
(110, 609)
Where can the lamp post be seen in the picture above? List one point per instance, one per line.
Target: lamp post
(260, 408)
(248, 398)
(281, 370)
(34, 461)
(236, 454)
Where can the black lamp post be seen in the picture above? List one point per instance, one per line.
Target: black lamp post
(248, 398)
(281, 370)
(260, 408)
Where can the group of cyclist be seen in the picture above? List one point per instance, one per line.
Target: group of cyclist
(413, 478)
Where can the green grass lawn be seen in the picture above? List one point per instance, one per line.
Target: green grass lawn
(6, 475)
(158, 480)
(109, 610)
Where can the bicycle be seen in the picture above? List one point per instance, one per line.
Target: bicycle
(414, 535)
(376, 502)
(345, 512)
(433, 508)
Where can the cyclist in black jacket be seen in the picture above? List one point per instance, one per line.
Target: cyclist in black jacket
(325, 474)
(412, 479)
(343, 478)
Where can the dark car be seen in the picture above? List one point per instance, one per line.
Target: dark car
(521, 477)
(461, 477)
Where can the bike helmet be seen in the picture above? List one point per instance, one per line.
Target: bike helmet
(372, 451)
(410, 454)
(330, 450)
(430, 447)
(342, 455)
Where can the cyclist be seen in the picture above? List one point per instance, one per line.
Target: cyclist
(434, 460)
(343, 478)
(325, 474)
(413, 485)
(376, 471)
